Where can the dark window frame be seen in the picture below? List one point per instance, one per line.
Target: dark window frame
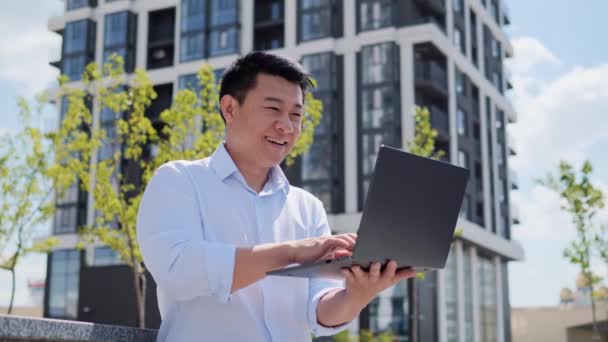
(130, 38)
(86, 53)
(388, 137)
(334, 7)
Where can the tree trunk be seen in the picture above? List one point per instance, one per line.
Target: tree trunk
(10, 305)
(139, 282)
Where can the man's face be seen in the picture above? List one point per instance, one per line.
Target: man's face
(264, 128)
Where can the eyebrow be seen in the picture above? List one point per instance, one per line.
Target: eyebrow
(276, 99)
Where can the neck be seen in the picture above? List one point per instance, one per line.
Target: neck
(255, 176)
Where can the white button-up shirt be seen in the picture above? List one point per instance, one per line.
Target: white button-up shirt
(192, 217)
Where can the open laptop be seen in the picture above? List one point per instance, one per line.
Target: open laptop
(409, 216)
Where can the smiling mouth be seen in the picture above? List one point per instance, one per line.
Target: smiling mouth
(276, 141)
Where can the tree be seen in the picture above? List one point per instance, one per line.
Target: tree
(423, 145)
(582, 200)
(29, 182)
(190, 129)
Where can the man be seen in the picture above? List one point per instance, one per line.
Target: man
(210, 229)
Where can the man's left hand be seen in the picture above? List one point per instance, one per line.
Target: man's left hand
(362, 286)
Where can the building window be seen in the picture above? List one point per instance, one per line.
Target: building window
(375, 14)
(63, 287)
(468, 298)
(120, 30)
(389, 311)
(458, 6)
(459, 82)
(379, 102)
(161, 40)
(322, 164)
(463, 159)
(224, 31)
(70, 211)
(487, 300)
(78, 48)
(465, 208)
(110, 145)
(459, 40)
(105, 256)
(473, 25)
(319, 19)
(461, 122)
(268, 26)
(194, 20)
(451, 297)
(76, 4)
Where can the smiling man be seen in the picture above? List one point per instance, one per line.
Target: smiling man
(210, 229)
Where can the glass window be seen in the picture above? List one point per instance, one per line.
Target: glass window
(63, 287)
(75, 37)
(193, 37)
(375, 14)
(316, 19)
(390, 311)
(465, 208)
(115, 29)
(76, 4)
(463, 159)
(319, 163)
(223, 41)
(487, 299)
(468, 298)
(461, 122)
(458, 6)
(451, 297)
(459, 40)
(459, 82)
(193, 15)
(225, 12)
(379, 96)
(105, 256)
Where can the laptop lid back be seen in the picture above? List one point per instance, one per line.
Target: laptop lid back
(411, 210)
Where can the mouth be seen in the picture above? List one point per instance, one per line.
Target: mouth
(277, 142)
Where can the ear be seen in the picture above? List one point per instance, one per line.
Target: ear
(228, 105)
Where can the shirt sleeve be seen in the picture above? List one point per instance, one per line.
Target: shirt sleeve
(318, 287)
(171, 239)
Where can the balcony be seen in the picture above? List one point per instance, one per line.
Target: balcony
(511, 145)
(515, 214)
(435, 6)
(440, 121)
(506, 13)
(431, 76)
(514, 179)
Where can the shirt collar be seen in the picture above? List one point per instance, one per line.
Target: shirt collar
(224, 167)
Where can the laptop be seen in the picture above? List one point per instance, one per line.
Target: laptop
(409, 216)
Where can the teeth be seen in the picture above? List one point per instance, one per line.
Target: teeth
(275, 141)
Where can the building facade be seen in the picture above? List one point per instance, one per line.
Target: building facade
(374, 61)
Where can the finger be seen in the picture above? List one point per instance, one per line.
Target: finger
(389, 271)
(374, 272)
(342, 253)
(348, 239)
(359, 274)
(405, 273)
(348, 275)
(334, 243)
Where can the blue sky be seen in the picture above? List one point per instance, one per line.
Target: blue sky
(560, 73)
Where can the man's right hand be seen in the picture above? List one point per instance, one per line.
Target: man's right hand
(322, 248)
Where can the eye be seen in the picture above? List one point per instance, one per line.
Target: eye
(273, 108)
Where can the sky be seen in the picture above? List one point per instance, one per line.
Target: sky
(560, 75)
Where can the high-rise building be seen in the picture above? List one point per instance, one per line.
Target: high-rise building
(374, 61)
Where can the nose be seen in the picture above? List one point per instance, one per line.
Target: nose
(284, 124)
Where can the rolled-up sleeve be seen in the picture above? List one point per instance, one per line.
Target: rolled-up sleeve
(171, 237)
(318, 287)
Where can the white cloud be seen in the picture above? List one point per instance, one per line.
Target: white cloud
(541, 217)
(529, 52)
(560, 119)
(24, 59)
(27, 46)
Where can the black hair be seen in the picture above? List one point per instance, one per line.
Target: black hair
(241, 76)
